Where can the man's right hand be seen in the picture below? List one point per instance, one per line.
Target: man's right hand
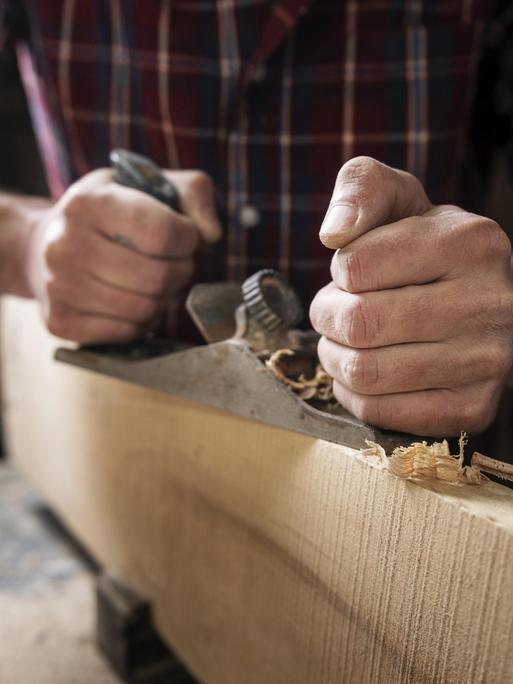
(106, 260)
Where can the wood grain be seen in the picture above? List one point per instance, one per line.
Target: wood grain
(270, 557)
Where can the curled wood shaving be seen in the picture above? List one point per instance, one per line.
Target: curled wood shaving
(423, 462)
(318, 386)
(503, 471)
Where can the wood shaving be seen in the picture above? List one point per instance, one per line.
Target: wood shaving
(421, 462)
(502, 470)
(310, 383)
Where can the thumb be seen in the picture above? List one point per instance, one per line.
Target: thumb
(197, 199)
(369, 194)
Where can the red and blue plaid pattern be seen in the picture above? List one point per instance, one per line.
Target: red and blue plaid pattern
(270, 97)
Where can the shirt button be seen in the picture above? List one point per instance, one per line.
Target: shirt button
(249, 216)
(259, 73)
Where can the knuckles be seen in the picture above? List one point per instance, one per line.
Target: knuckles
(58, 323)
(496, 363)
(347, 270)
(52, 255)
(371, 410)
(142, 310)
(360, 372)
(56, 289)
(77, 199)
(360, 168)
(354, 322)
(359, 178)
(160, 277)
(321, 314)
(66, 249)
(155, 278)
(162, 234)
(75, 204)
(490, 310)
(497, 310)
(181, 275)
(358, 323)
(156, 235)
(199, 183)
(362, 176)
(473, 414)
(482, 237)
(488, 239)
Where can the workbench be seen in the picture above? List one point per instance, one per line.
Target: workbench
(268, 556)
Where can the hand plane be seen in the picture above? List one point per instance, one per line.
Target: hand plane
(249, 329)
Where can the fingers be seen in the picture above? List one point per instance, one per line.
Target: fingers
(142, 222)
(369, 194)
(411, 367)
(81, 308)
(84, 328)
(436, 412)
(197, 198)
(427, 313)
(444, 243)
(133, 219)
(86, 295)
(99, 291)
(383, 259)
(90, 253)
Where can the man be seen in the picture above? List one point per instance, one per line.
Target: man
(272, 101)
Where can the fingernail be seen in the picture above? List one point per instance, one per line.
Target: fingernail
(340, 217)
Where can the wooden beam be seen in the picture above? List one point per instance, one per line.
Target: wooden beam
(268, 556)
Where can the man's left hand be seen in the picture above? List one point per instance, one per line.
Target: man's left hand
(417, 324)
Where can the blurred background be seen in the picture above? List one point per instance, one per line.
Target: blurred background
(20, 168)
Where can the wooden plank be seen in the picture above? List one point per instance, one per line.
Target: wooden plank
(269, 556)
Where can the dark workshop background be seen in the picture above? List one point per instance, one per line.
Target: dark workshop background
(20, 168)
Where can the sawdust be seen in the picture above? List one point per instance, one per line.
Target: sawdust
(423, 462)
(302, 373)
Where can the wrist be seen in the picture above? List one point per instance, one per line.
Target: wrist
(19, 219)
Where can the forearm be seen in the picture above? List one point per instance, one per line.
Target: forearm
(19, 216)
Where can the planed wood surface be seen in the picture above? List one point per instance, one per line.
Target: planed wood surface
(270, 557)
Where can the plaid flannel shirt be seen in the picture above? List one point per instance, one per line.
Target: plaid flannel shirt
(269, 97)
